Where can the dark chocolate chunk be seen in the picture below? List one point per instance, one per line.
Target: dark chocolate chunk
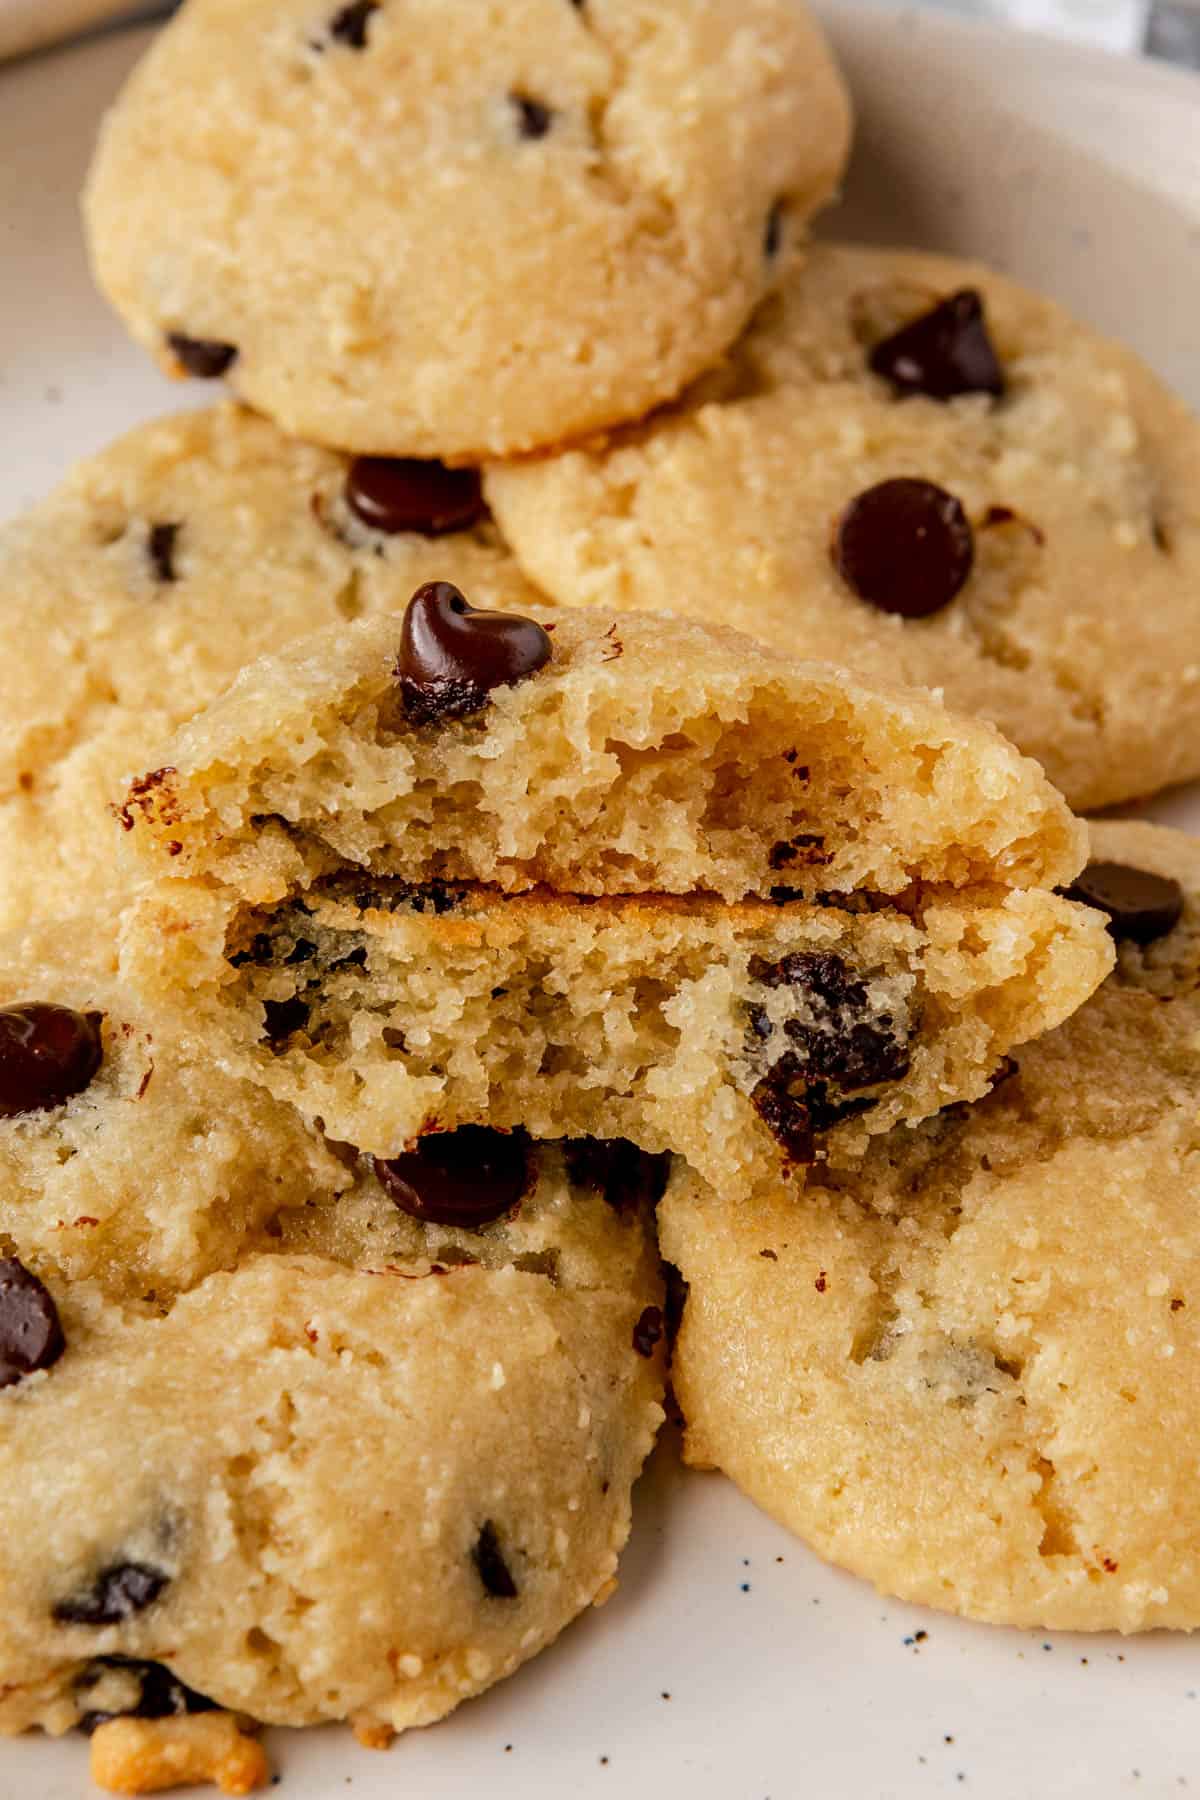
(628, 1178)
(1140, 906)
(493, 1571)
(904, 546)
(786, 1117)
(47, 1053)
(204, 357)
(31, 1337)
(534, 119)
(945, 352)
(394, 493)
(648, 1330)
(841, 1040)
(773, 234)
(452, 654)
(283, 1017)
(116, 1594)
(349, 26)
(466, 1177)
(160, 547)
(160, 1694)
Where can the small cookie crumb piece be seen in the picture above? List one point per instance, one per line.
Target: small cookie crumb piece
(605, 1592)
(372, 1734)
(144, 1756)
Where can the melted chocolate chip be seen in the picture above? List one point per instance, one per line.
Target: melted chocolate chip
(904, 546)
(648, 1330)
(452, 654)
(160, 1694)
(393, 493)
(786, 1117)
(945, 352)
(349, 26)
(840, 1039)
(493, 1571)
(160, 547)
(206, 358)
(47, 1053)
(31, 1337)
(1140, 906)
(629, 1179)
(773, 234)
(283, 1017)
(116, 1594)
(534, 119)
(462, 1178)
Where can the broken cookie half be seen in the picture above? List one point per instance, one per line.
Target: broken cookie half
(645, 881)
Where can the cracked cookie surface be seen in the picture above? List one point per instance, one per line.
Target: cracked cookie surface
(155, 571)
(1059, 603)
(968, 1370)
(421, 228)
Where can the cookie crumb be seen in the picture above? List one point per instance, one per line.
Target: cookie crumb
(147, 1756)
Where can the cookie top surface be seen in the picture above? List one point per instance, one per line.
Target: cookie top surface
(1050, 586)
(969, 1371)
(625, 754)
(461, 1355)
(156, 570)
(409, 228)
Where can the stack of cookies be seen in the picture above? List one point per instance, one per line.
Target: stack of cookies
(426, 914)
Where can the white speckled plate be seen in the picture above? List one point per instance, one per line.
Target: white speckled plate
(732, 1665)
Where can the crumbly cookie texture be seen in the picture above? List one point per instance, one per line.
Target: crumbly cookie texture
(415, 230)
(969, 1370)
(752, 1038)
(643, 755)
(1075, 630)
(385, 1417)
(158, 568)
(154, 1173)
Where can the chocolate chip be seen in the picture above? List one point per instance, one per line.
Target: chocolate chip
(840, 1039)
(462, 1178)
(350, 25)
(945, 352)
(283, 1017)
(47, 1053)
(648, 1330)
(31, 1337)
(773, 234)
(493, 1571)
(905, 546)
(394, 493)
(160, 547)
(160, 1694)
(629, 1179)
(452, 655)
(1140, 906)
(786, 1117)
(204, 357)
(117, 1593)
(533, 118)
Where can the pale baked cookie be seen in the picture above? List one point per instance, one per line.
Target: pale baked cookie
(404, 226)
(124, 1165)
(913, 466)
(319, 947)
(970, 1371)
(750, 1039)
(595, 753)
(349, 1438)
(135, 592)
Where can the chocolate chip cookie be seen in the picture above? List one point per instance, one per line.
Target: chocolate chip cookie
(418, 229)
(968, 1370)
(913, 466)
(134, 593)
(321, 842)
